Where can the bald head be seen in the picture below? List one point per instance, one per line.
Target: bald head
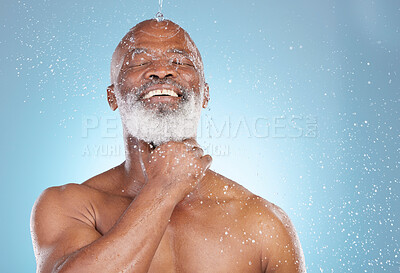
(154, 37)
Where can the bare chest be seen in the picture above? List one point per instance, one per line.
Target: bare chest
(202, 239)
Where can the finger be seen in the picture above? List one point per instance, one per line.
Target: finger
(192, 145)
(205, 164)
(206, 161)
(198, 152)
(191, 142)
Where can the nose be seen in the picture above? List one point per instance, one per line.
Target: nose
(161, 71)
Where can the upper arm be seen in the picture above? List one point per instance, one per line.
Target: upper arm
(59, 226)
(281, 246)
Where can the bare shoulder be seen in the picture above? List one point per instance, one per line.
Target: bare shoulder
(60, 204)
(240, 198)
(75, 201)
(69, 200)
(63, 197)
(59, 197)
(67, 191)
(271, 226)
(227, 188)
(63, 220)
(251, 203)
(281, 248)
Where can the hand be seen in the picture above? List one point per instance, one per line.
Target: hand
(178, 164)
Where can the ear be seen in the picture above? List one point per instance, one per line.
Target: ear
(206, 95)
(112, 100)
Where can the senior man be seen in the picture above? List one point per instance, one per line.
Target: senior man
(162, 209)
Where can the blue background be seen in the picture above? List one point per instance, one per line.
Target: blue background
(309, 89)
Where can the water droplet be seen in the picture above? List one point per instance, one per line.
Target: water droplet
(159, 17)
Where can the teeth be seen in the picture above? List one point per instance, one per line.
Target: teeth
(160, 92)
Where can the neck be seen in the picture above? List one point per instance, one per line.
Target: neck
(134, 168)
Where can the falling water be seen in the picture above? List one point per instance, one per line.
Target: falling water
(160, 5)
(143, 166)
(159, 15)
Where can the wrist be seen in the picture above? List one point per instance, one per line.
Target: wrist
(167, 189)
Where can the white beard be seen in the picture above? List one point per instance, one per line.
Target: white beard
(160, 125)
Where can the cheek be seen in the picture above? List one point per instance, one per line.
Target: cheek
(191, 78)
(130, 79)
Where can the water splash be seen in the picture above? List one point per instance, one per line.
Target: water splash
(159, 17)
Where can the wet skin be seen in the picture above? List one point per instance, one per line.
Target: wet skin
(178, 216)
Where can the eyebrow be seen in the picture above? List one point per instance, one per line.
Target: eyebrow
(138, 50)
(178, 51)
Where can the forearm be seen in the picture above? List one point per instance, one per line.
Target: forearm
(131, 244)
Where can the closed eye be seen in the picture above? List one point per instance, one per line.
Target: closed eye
(137, 60)
(179, 62)
(140, 64)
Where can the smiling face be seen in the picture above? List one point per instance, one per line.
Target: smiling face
(158, 82)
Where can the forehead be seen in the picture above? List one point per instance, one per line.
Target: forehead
(155, 36)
